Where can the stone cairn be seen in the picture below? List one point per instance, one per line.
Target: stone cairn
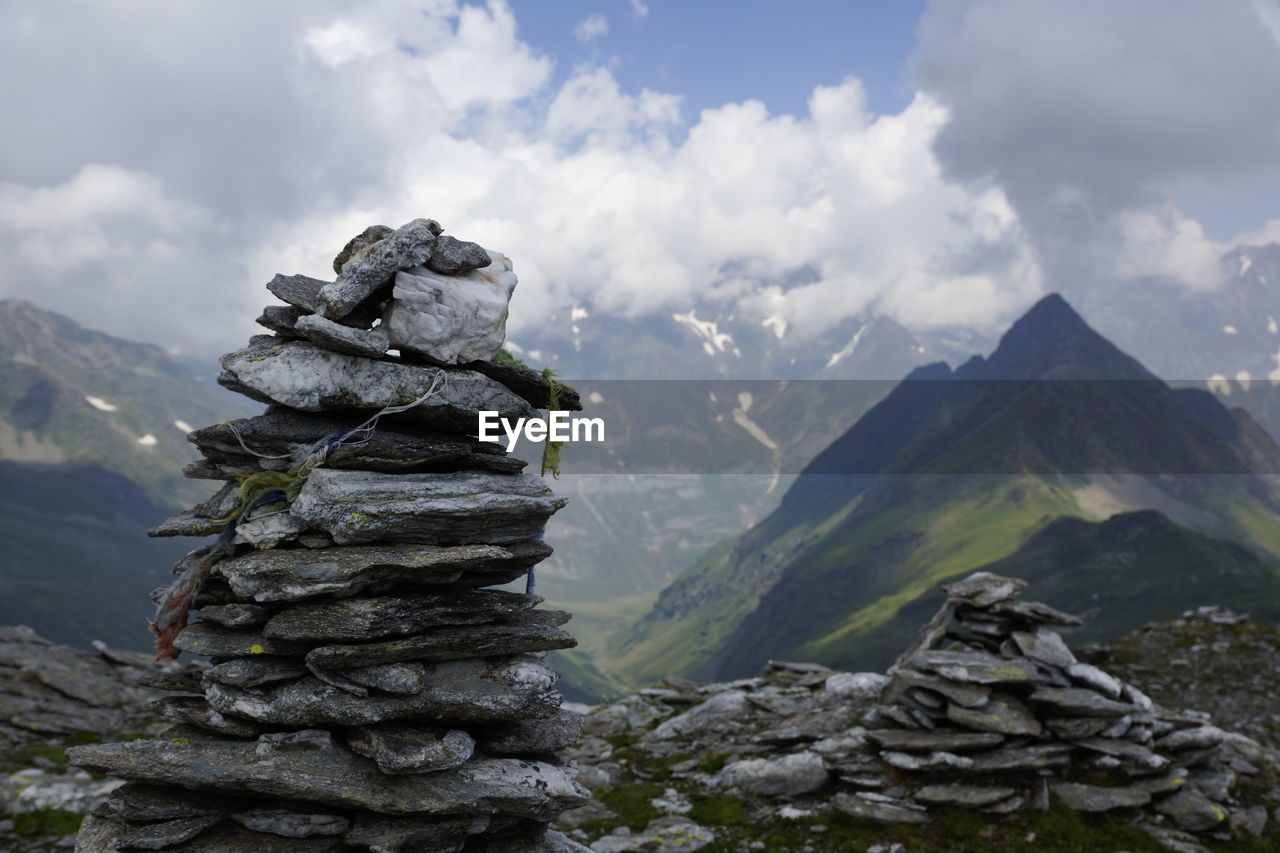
(988, 709)
(366, 691)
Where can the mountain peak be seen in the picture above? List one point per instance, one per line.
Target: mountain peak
(1052, 341)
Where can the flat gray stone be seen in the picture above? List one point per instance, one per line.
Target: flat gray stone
(288, 823)
(966, 695)
(196, 711)
(256, 671)
(436, 509)
(395, 446)
(169, 833)
(312, 767)
(342, 571)
(401, 748)
(959, 794)
(234, 615)
(370, 267)
(1092, 677)
(386, 834)
(99, 835)
(281, 319)
(1074, 728)
(452, 643)
(1034, 611)
(300, 291)
(1200, 737)
(980, 668)
(937, 740)
(1134, 754)
(534, 737)
(309, 378)
(474, 690)
(1045, 646)
(215, 641)
(1191, 810)
(396, 679)
(137, 802)
(982, 589)
(1077, 700)
(335, 337)
(786, 776)
(1003, 714)
(386, 616)
(932, 761)
(880, 808)
(1022, 758)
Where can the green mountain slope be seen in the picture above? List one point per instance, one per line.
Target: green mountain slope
(69, 394)
(951, 471)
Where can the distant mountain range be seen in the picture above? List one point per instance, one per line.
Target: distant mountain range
(70, 394)
(955, 470)
(92, 444)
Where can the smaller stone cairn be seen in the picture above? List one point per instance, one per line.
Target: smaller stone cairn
(988, 709)
(366, 691)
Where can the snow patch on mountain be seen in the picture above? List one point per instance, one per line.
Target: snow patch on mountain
(753, 429)
(840, 356)
(713, 340)
(100, 404)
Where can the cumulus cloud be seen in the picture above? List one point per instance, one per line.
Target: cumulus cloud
(591, 27)
(1089, 115)
(209, 151)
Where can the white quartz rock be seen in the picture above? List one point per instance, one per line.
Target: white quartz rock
(452, 318)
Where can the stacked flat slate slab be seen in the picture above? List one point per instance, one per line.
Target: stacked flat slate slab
(989, 709)
(366, 691)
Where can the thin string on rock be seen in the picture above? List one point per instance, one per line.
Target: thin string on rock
(259, 489)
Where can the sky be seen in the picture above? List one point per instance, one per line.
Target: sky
(941, 162)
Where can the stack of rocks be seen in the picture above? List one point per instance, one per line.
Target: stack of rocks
(989, 709)
(366, 692)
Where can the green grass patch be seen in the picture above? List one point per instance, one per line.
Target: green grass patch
(47, 822)
(632, 803)
(720, 810)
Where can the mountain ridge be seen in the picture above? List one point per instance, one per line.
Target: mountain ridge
(951, 471)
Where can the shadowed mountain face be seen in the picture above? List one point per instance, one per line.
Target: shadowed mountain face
(957, 469)
(76, 564)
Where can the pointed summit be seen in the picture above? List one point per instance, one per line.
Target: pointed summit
(1052, 341)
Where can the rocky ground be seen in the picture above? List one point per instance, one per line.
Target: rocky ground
(747, 765)
(53, 697)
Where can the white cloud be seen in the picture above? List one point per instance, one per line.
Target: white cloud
(1163, 242)
(591, 27)
(639, 8)
(1089, 115)
(156, 197)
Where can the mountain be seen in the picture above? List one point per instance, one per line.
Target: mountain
(77, 565)
(1230, 332)
(714, 342)
(70, 394)
(953, 470)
